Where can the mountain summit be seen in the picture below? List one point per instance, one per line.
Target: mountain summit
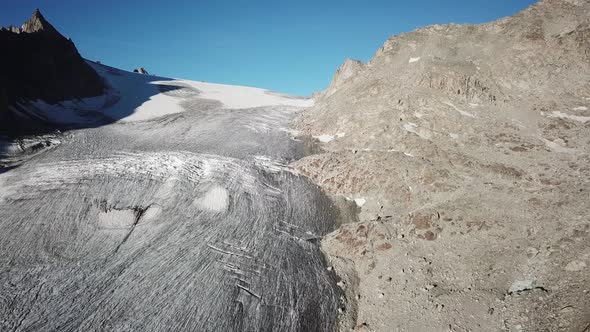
(38, 23)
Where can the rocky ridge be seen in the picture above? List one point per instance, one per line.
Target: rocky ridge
(466, 149)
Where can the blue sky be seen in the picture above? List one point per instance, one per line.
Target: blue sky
(287, 46)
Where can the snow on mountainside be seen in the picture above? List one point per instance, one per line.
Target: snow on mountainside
(236, 97)
(136, 97)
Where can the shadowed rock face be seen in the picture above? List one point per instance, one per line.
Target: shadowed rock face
(40, 63)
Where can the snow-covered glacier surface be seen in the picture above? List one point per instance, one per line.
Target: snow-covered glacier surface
(137, 97)
(171, 210)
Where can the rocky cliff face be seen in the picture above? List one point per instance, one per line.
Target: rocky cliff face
(39, 63)
(467, 147)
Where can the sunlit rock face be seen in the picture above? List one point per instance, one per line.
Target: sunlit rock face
(452, 126)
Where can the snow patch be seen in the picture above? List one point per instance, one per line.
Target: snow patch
(410, 126)
(360, 201)
(215, 200)
(521, 285)
(558, 114)
(325, 138)
(581, 108)
(454, 136)
(413, 128)
(414, 60)
(458, 110)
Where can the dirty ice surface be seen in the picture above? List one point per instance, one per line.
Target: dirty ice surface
(170, 207)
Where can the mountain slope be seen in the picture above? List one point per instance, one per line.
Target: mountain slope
(39, 63)
(466, 149)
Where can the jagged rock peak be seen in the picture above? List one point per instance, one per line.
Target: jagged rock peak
(37, 23)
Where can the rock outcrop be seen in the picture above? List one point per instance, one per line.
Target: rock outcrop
(467, 149)
(347, 71)
(141, 70)
(39, 63)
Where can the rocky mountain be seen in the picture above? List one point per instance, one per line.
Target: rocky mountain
(40, 63)
(466, 149)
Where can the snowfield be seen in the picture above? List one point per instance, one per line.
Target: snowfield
(137, 97)
(236, 97)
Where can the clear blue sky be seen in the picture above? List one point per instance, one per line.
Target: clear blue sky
(287, 46)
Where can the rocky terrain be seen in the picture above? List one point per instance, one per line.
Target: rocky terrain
(39, 64)
(455, 170)
(465, 148)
